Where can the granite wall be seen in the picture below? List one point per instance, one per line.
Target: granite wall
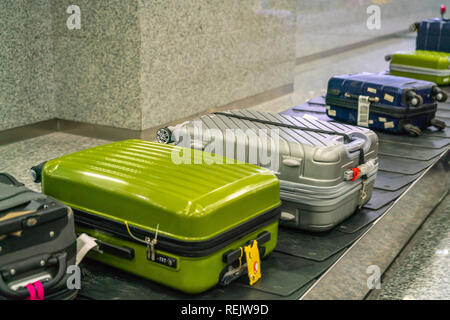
(137, 64)
(27, 86)
(97, 67)
(198, 54)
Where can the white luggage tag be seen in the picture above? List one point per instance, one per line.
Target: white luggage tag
(363, 111)
(84, 244)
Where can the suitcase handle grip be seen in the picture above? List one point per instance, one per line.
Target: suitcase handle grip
(22, 293)
(232, 256)
(358, 140)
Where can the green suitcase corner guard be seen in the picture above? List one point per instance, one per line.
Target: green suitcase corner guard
(138, 183)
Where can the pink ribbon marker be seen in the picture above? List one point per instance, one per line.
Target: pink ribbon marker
(40, 290)
(31, 291)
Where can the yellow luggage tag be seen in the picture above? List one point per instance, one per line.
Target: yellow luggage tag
(253, 262)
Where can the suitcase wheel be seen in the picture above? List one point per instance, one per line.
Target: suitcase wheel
(438, 124)
(412, 130)
(439, 94)
(164, 135)
(415, 101)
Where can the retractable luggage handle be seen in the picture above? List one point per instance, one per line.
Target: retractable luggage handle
(347, 137)
(351, 144)
(12, 181)
(21, 293)
(416, 25)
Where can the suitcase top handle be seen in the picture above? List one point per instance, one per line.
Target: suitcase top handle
(59, 260)
(347, 137)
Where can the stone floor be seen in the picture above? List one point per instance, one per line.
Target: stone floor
(422, 272)
(17, 158)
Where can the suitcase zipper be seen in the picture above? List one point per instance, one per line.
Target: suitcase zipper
(420, 70)
(381, 109)
(170, 245)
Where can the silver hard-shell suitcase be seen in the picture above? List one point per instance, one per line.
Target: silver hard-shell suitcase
(326, 170)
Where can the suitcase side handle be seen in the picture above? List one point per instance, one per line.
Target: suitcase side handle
(22, 293)
(232, 256)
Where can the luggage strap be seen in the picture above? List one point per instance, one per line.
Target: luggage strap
(363, 111)
(363, 180)
(285, 125)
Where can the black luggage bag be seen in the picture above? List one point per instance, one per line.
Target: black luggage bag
(37, 244)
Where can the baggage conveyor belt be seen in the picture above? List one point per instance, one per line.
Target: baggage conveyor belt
(413, 178)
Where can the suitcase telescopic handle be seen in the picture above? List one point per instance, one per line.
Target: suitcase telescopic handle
(22, 293)
(284, 125)
(10, 179)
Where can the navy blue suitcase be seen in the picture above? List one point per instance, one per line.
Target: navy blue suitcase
(433, 34)
(383, 102)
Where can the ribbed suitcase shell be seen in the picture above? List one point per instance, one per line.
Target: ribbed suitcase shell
(391, 113)
(424, 65)
(434, 35)
(311, 165)
(191, 205)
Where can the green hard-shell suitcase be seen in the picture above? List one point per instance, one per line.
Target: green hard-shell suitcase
(181, 217)
(423, 65)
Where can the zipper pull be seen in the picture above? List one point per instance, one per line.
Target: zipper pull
(151, 254)
(149, 247)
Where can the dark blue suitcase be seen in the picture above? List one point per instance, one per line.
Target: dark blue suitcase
(434, 35)
(384, 102)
